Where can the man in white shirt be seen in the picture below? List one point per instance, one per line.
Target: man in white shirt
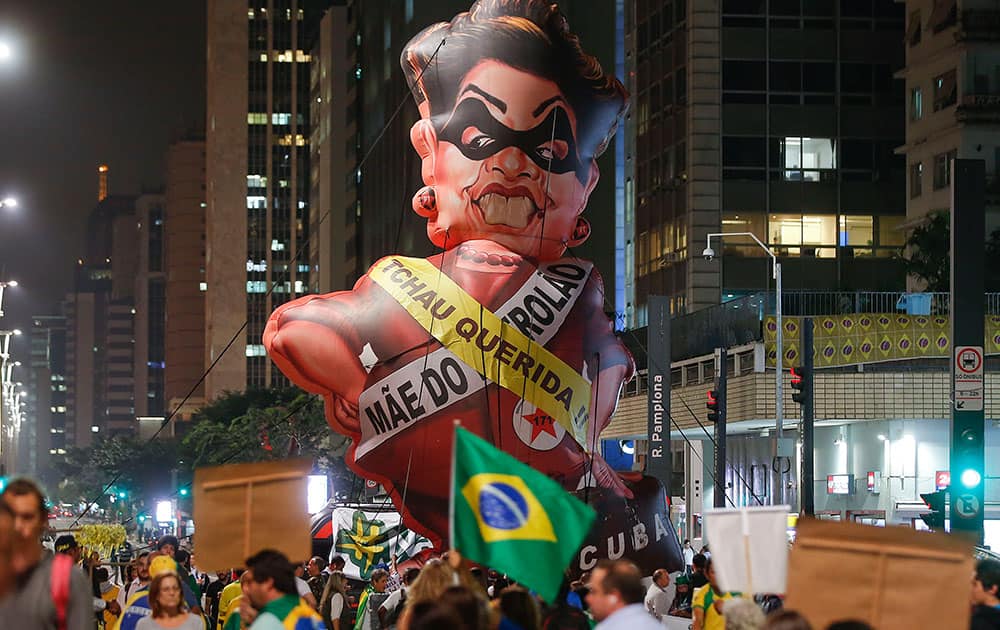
(660, 595)
(688, 555)
(616, 595)
(140, 581)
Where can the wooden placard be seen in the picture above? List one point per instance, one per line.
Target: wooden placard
(240, 509)
(890, 577)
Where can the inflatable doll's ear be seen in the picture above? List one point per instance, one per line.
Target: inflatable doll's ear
(580, 233)
(425, 202)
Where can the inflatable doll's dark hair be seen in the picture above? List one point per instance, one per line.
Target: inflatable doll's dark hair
(530, 35)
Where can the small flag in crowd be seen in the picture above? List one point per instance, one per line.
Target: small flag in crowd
(512, 518)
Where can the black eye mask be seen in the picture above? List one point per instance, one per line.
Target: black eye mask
(494, 136)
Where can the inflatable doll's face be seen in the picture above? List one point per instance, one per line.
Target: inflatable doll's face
(505, 165)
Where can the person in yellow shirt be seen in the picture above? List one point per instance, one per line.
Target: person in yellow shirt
(707, 603)
(230, 593)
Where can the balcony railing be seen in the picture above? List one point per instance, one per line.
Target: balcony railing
(978, 24)
(817, 303)
(979, 107)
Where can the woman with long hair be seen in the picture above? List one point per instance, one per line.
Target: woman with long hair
(166, 599)
(333, 605)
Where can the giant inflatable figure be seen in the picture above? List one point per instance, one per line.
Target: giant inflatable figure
(505, 329)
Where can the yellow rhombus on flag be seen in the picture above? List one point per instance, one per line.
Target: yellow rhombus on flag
(512, 518)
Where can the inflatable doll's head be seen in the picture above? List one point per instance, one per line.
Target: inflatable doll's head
(513, 117)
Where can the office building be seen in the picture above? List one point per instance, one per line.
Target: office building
(777, 118)
(333, 157)
(149, 335)
(184, 260)
(44, 432)
(257, 179)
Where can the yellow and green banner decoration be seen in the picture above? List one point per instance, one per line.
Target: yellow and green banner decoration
(870, 337)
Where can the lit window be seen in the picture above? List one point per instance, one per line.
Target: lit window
(256, 118)
(286, 140)
(256, 350)
(250, 13)
(281, 118)
(277, 246)
(303, 268)
(203, 286)
(256, 181)
(256, 202)
(95, 429)
(804, 157)
(299, 287)
(256, 286)
(856, 231)
(252, 266)
(805, 230)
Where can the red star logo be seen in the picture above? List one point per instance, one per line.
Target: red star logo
(540, 422)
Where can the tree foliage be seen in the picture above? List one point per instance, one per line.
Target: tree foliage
(257, 425)
(928, 254)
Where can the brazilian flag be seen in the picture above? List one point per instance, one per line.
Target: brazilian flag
(512, 518)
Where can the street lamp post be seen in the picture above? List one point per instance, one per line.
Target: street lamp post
(6, 371)
(4, 285)
(779, 400)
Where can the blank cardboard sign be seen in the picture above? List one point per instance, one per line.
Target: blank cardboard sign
(240, 509)
(890, 577)
(749, 548)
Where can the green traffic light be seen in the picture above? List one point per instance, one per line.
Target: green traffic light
(142, 518)
(184, 492)
(971, 478)
(121, 494)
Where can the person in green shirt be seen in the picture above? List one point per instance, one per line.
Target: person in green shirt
(271, 591)
(707, 603)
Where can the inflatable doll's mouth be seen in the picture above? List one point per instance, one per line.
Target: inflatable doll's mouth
(514, 211)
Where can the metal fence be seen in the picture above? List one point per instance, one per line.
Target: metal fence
(818, 303)
(740, 321)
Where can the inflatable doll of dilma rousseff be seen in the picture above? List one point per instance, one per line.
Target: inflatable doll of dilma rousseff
(505, 330)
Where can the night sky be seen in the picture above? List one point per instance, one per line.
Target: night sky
(109, 81)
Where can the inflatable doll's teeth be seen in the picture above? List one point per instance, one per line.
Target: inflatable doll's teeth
(512, 211)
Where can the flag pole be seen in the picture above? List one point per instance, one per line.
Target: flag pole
(451, 491)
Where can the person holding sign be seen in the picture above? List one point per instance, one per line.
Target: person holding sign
(708, 601)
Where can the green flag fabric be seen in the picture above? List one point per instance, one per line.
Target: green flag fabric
(512, 518)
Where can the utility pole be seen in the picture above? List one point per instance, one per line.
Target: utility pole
(803, 382)
(720, 427)
(968, 225)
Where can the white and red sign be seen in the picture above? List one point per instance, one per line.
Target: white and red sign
(968, 378)
(942, 479)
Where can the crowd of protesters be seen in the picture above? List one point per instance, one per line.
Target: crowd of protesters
(69, 590)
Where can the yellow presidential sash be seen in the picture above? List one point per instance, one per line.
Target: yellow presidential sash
(505, 347)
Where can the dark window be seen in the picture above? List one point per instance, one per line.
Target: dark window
(945, 91)
(786, 76)
(856, 8)
(821, 8)
(746, 76)
(785, 7)
(856, 78)
(818, 77)
(739, 151)
(856, 154)
(914, 30)
(916, 179)
(942, 169)
(743, 7)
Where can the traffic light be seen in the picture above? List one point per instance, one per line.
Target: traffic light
(969, 456)
(800, 384)
(713, 405)
(936, 502)
(122, 494)
(142, 518)
(184, 492)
